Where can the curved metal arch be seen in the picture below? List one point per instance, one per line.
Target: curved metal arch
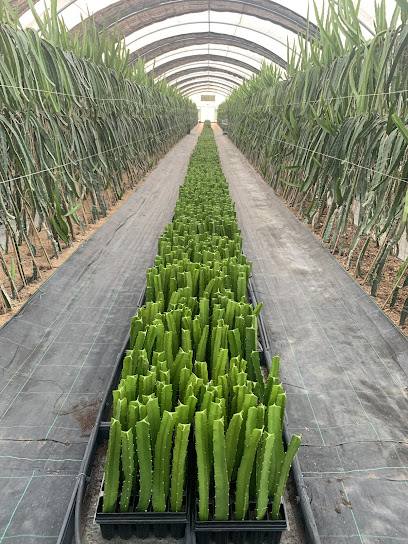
(163, 68)
(172, 43)
(204, 64)
(279, 60)
(195, 84)
(222, 95)
(211, 69)
(198, 79)
(206, 89)
(215, 50)
(137, 14)
(192, 93)
(206, 82)
(206, 76)
(220, 84)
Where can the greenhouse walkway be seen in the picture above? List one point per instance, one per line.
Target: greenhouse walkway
(343, 363)
(57, 353)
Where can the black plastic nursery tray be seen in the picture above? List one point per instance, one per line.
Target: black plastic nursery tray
(248, 531)
(141, 524)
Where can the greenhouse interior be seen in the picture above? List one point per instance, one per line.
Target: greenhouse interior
(204, 271)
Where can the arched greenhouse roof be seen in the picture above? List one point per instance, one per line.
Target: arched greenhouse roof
(221, 42)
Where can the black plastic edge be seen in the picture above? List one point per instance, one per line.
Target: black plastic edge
(312, 534)
(124, 518)
(234, 526)
(72, 516)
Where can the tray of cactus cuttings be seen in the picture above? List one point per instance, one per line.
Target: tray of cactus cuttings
(192, 395)
(152, 501)
(241, 465)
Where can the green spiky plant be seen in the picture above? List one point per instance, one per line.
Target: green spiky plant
(78, 127)
(333, 134)
(259, 459)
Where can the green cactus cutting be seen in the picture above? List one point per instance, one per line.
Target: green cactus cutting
(144, 454)
(221, 480)
(284, 473)
(244, 474)
(274, 427)
(161, 460)
(202, 346)
(128, 467)
(179, 466)
(231, 441)
(110, 493)
(221, 364)
(153, 415)
(203, 463)
(262, 475)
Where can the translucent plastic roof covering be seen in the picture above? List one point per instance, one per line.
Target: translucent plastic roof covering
(231, 36)
(261, 33)
(197, 76)
(212, 67)
(207, 62)
(252, 59)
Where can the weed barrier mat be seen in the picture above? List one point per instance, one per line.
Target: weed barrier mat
(344, 368)
(57, 355)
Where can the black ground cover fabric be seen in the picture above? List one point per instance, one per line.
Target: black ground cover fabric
(57, 354)
(344, 366)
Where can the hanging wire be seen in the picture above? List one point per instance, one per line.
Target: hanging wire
(57, 167)
(59, 93)
(343, 161)
(266, 106)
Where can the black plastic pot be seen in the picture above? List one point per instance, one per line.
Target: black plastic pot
(142, 524)
(247, 531)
